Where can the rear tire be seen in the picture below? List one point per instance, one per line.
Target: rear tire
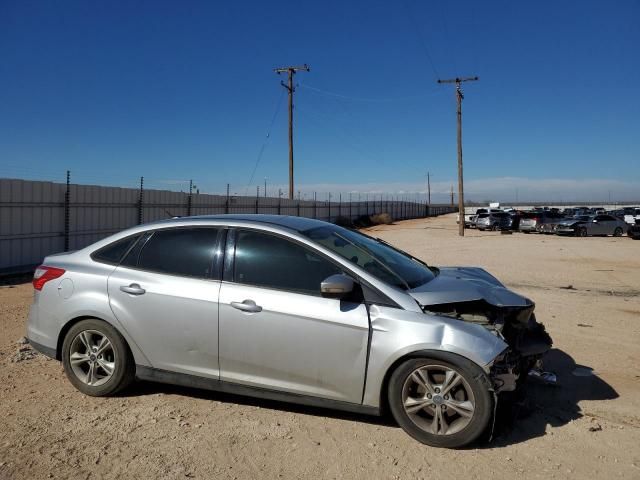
(435, 413)
(96, 359)
(617, 232)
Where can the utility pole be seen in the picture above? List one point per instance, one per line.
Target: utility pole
(291, 71)
(428, 188)
(459, 97)
(452, 195)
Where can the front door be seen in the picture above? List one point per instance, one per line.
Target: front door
(165, 294)
(278, 332)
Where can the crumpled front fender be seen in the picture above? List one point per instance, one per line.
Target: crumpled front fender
(397, 333)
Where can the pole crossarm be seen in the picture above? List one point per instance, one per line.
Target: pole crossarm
(459, 80)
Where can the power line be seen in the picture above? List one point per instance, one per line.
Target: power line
(447, 37)
(266, 140)
(420, 38)
(361, 99)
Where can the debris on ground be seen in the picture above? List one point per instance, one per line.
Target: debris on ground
(24, 351)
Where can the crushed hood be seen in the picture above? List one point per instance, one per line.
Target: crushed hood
(465, 284)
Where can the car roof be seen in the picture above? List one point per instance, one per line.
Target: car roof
(299, 224)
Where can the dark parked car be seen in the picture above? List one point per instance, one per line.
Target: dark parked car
(593, 225)
(634, 231)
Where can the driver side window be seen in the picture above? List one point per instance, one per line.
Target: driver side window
(269, 261)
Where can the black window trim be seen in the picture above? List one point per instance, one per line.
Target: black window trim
(148, 234)
(95, 253)
(229, 266)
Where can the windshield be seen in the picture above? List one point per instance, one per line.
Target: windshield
(377, 258)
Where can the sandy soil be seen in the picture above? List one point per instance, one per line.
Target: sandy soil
(587, 293)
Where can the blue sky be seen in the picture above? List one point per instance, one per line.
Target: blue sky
(179, 90)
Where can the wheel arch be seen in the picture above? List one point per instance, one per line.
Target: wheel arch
(446, 356)
(138, 356)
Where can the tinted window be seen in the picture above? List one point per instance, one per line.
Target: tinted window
(268, 261)
(380, 260)
(189, 252)
(114, 252)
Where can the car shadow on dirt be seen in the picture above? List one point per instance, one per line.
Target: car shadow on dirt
(539, 405)
(518, 418)
(150, 388)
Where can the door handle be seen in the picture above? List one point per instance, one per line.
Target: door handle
(247, 306)
(133, 289)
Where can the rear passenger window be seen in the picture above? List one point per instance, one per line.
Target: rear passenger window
(273, 262)
(189, 252)
(114, 252)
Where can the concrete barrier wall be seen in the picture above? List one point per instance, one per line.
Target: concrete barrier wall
(36, 219)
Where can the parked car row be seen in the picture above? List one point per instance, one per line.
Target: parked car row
(579, 222)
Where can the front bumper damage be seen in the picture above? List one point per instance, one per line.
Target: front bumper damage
(527, 338)
(473, 295)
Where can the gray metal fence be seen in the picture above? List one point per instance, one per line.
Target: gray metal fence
(39, 218)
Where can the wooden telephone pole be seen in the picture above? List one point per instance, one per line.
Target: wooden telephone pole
(291, 71)
(459, 98)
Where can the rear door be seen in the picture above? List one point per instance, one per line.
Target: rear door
(610, 223)
(165, 294)
(603, 226)
(278, 332)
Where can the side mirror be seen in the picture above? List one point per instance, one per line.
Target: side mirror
(336, 286)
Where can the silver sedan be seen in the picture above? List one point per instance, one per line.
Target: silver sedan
(289, 309)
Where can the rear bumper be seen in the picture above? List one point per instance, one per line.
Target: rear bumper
(48, 351)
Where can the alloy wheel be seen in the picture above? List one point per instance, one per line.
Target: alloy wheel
(92, 358)
(438, 399)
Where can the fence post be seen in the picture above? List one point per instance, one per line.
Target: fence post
(226, 204)
(189, 198)
(257, 197)
(279, 200)
(67, 212)
(140, 200)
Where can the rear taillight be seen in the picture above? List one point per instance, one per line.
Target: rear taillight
(43, 274)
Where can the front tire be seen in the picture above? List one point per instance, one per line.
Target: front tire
(443, 401)
(617, 232)
(96, 359)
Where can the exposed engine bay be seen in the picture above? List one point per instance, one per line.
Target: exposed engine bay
(527, 338)
(473, 295)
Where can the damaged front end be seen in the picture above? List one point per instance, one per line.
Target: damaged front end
(473, 295)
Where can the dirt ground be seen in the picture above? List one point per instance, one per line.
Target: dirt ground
(587, 293)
